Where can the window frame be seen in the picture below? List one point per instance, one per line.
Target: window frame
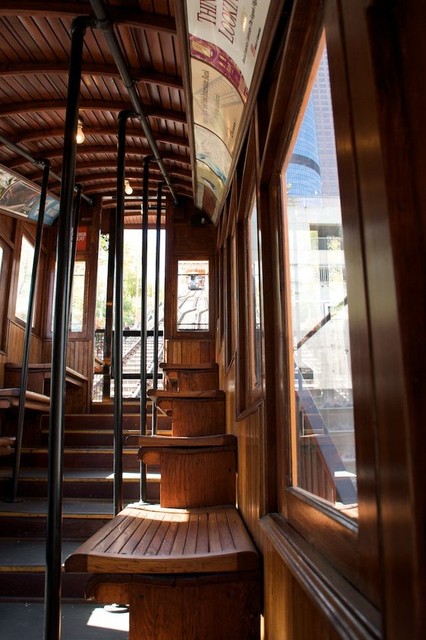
(190, 333)
(5, 278)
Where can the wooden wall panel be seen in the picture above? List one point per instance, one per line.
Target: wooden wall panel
(189, 351)
(288, 611)
(248, 431)
(15, 348)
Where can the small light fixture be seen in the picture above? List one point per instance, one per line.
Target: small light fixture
(80, 137)
(128, 188)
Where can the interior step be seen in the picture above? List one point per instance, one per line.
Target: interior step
(22, 569)
(27, 517)
(81, 483)
(81, 457)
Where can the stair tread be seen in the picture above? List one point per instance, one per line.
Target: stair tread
(82, 449)
(19, 554)
(71, 507)
(89, 475)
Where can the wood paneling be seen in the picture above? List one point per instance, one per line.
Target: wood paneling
(185, 351)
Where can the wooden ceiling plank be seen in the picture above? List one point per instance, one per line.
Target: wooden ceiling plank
(119, 15)
(33, 67)
(153, 111)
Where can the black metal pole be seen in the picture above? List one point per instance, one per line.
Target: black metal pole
(28, 329)
(104, 22)
(156, 303)
(144, 279)
(52, 608)
(118, 322)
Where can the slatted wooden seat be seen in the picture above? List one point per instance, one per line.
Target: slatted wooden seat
(194, 413)
(152, 539)
(191, 573)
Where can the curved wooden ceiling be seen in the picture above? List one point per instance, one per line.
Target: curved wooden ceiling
(34, 63)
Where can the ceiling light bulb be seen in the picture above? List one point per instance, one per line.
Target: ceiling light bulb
(80, 137)
(128, 188)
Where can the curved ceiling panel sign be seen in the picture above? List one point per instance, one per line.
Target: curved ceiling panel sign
(225, 37)
(21, 198)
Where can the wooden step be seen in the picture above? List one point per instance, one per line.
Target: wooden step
(80, 483)
(27, 517)
(81, 458)
(22, 569)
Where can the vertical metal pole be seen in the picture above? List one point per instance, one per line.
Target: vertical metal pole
(145, 211)
(118, 323)
(156, 304)
(52, 608)
(28, 329)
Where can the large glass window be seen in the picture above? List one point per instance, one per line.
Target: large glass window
(254, 302)
(24, 279)
(78, 297)
(193, 295)
(323, 446)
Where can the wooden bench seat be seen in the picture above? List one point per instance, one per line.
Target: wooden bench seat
(194, 413)
(185, 573)
(38, 381)
(190, 377)
(152, 539)
(9, 398)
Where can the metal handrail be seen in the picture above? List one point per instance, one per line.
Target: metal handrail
(28, 330)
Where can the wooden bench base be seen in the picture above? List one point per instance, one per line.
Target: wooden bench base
(195, 607)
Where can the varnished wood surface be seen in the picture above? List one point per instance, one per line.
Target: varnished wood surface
(225, 439)
(156, 540)
(10, 398)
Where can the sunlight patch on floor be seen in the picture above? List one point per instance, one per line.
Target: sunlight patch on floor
(107, 620)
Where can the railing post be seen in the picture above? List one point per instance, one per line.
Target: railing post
(28, 329)
(52, 609)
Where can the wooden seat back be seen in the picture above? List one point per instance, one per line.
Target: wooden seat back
(195, 472)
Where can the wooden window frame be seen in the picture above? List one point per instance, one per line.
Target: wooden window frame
(193, 334)
(29, 233)
(5, 276)
(351, 548)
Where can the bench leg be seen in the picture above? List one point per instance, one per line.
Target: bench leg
(204, 607)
